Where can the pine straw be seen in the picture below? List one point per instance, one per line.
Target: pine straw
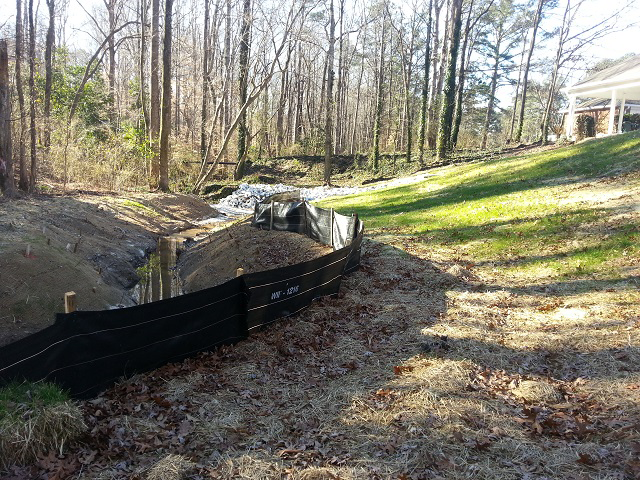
(415, 371)
(43, 428)
(171, 467)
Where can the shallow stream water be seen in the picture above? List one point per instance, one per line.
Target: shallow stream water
(159, 277)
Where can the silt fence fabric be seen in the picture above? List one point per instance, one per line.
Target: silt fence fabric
(87, 351)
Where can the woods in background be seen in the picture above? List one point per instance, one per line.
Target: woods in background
(167, 94)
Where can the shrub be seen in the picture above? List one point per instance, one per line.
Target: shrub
(585, 127)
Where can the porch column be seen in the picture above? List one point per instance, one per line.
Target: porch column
(612, 111)
(621, 115)
(570, 116)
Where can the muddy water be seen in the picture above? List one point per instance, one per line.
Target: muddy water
(159, 277)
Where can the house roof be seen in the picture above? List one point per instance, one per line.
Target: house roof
(624, 78)
(599, 104)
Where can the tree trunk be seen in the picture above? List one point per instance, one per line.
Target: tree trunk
(554, 76)
(457, 116)
(143, 61)
(243, 84)
(6, 154)
(448, 96)
(425, 90)
(328, 126)
(165, 128)
(154, 121)
(22, 154)
(515, 101)
(111, 49)
(523, 100)
(492, 93)
(205, 82)
(435, 81)
(353, 145)
(48, 61)
(379, 99)
(32, 98)
(339, 120)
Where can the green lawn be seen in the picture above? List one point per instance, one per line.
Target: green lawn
(518, 212)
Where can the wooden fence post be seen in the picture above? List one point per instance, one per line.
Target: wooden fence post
(69, 302)
(239, 271)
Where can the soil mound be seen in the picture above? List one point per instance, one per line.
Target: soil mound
(216, 259)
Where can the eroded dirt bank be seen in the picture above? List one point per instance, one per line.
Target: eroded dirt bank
(87, 243)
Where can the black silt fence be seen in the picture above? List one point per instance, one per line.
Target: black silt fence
(86, 351)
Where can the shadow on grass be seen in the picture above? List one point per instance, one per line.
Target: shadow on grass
(562, 167)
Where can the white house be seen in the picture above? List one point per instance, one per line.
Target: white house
(616, 85)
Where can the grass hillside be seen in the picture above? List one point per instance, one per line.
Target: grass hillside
(531, 369)
(550, 214)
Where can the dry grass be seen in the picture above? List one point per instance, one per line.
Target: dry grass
(39, 430)
(171, 467)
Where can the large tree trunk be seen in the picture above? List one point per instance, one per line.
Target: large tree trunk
(154, 122)
(243, 85)
(48, 63)
(165, 128)
(466, 50)
(448, 96)
(377, 127)
(525, 83)
(432, 123)
(425, 90)
(6, 154)
(22, 154)
(328, 126)
(32, 98)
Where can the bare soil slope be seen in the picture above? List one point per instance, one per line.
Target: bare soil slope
(87, 243)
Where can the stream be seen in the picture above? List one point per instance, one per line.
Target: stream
(159, 277)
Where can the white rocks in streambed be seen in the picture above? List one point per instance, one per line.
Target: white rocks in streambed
(247, 195)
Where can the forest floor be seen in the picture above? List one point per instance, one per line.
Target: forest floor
(436, 360)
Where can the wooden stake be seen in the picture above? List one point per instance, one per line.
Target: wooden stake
(331, 227)
(271, 221)
(69, 302)
(28, 250)
(239, 271)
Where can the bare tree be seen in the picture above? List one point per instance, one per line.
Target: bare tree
(525, 76)
(154, 120)
(328, 126)
(6, 154)
(22, 154)
(32, 98)
(243, 132)
(379, 96)
(258, 87)
(48, 64)
(448, 97)
(569, 45)
(165, 127)
(425, 88)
